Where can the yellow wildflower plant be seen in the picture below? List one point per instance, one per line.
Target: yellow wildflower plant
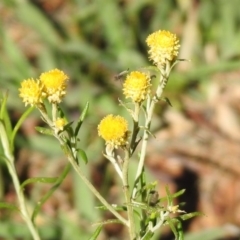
(31, 92)
(54, 85)
(163, 45)
(114, 130)
(137, 86)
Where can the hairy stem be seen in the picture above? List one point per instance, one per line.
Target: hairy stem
(127, 195)
(149, 113)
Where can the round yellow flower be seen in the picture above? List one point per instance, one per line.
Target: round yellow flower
(114, 130)
(31, 92)
(137, 86)
(60, 123)
(163, 46)
(54, 85)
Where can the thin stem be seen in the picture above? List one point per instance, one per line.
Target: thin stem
(16, 183)
(135, 128)
(127, 195)
(115, 164)
(94, 190)
(149, 113)
(22, 203)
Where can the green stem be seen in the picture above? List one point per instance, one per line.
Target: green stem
(16, 183)
(135, 130)
(149, 113)
(94, 190)
(127, 195)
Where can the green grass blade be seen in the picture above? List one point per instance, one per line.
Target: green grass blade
(51, 191)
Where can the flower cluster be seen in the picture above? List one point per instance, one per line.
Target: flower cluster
(136, 86)
(31, 92)
(114, 130)
(163, 46)
(50, 85)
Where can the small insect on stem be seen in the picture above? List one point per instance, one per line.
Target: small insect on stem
(121, 75)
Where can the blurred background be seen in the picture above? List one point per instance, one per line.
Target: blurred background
(197, 139)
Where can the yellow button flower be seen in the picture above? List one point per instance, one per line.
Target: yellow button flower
(136, 86)
(114, 130)
(55, 83)
(163, 46)
(31, 92)
(60, 123)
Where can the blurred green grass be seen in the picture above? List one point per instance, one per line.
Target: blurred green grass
(92, 41)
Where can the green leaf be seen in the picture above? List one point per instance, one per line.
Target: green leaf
(38, 180)
(172, 226)
(169, 196)
(8, 206)
(175, 195)
(45, 131)
(83, 155)
(81, 119)
(148, 235)
(68, 129)
(96, 233)
(68, 125)
(18, 125)
(179, 193)
(116, 207)
(4, 114)
(190, 215)
(168, 101)
(109, 221)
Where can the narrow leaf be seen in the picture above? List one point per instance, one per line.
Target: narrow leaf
(109, 221)
(45, 131)
(81, 119)
(173, 228)
(175, 195)
(8, 206)
(38, 180)
(168, 101)
(83, 155)
(4, 113)
(3, 105)
(51, 191)
(148, 235)
(18, 125)
(116, 207)
(169, 196)
(96, 233)
(190, 215)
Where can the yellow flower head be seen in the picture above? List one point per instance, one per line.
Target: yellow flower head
(136, 86)
(55, 83)
(163, 46)
(60, 123)
(31, 92)
(114, 130)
